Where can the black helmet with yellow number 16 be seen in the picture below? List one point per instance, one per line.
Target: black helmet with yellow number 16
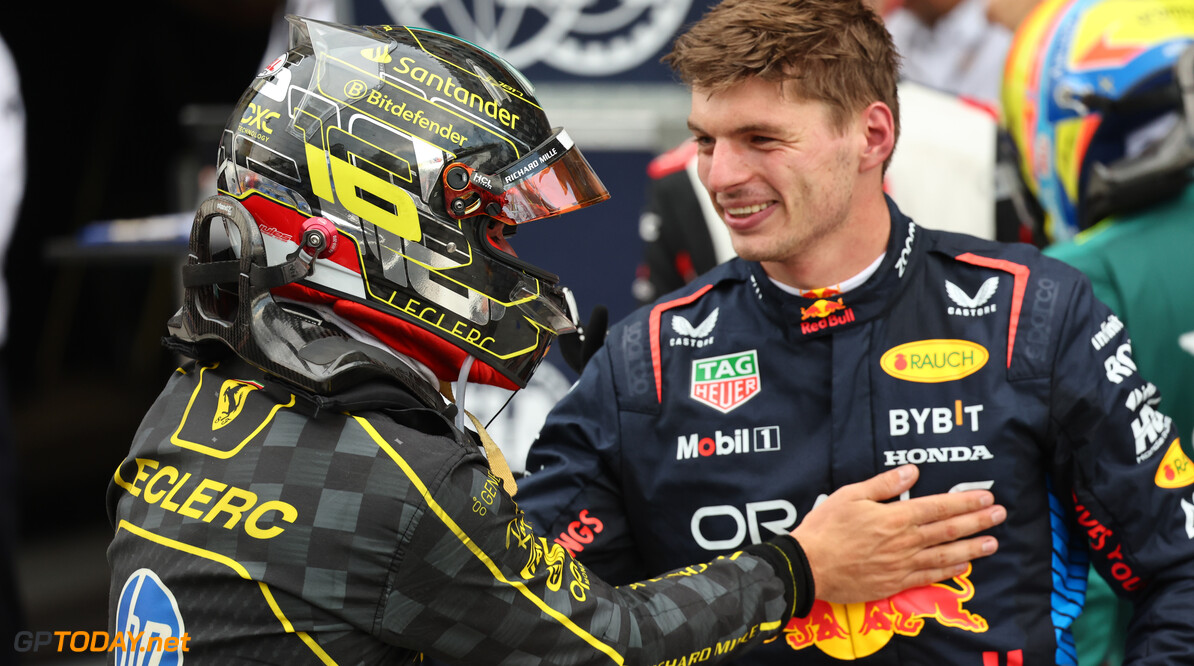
(382, 168)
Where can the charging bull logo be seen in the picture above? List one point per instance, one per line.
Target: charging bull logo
(824, 314)
(853, 631)
(821, 309)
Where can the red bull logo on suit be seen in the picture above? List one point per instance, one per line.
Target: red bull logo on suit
(853, 631)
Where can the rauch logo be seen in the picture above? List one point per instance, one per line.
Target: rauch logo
(934, 361)
(725, 382)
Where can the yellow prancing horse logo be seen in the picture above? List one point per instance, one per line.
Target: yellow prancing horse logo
(232, 400)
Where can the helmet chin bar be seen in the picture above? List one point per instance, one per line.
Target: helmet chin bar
(229, 302)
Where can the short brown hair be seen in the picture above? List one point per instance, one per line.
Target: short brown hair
(834, 51)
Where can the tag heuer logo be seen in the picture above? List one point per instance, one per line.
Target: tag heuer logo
(725, 382)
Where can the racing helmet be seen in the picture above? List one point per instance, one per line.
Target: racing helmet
(1092, 102)
(382, 168)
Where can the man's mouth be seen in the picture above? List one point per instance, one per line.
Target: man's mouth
(743, 211)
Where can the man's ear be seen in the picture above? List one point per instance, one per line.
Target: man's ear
(878, 127)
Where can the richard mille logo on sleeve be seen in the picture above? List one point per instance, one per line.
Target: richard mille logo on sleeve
(693, 336)
(965, 305)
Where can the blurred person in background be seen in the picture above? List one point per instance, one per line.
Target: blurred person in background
(949, 45)
(12, 189)
(1009, 13)
(1099, 97)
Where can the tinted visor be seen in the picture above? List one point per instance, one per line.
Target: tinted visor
(552, 179)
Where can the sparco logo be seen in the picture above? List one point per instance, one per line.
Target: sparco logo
(637, 372)
(1040, 320)
(742, 440)
(581, 38)
(693, 336)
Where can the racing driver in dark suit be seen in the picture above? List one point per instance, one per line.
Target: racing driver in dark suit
(847, 340)
(304, 492)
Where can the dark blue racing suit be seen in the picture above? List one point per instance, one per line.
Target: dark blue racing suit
(724, 412)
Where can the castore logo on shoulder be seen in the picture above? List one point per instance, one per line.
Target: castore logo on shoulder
(693, 336)
(965, 306)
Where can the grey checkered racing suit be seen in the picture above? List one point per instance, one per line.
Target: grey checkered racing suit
(268, 525)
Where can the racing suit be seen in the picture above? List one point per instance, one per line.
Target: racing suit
(260, 523)
(728, 409)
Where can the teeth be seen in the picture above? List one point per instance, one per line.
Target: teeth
(748, 210)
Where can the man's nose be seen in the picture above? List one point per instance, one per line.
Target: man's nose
(721, 168)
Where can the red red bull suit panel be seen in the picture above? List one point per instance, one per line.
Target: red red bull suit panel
(725, 411)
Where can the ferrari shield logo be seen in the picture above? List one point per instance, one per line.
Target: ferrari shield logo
(725, 382)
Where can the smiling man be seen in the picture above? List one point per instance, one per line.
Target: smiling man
(846, 340)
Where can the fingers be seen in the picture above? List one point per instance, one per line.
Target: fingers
(884, 486)
(934, 508)
(957, 527)
(939, 563)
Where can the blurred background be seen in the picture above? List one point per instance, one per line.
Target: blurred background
(124, 103)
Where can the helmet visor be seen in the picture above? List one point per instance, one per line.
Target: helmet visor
(552, 179)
